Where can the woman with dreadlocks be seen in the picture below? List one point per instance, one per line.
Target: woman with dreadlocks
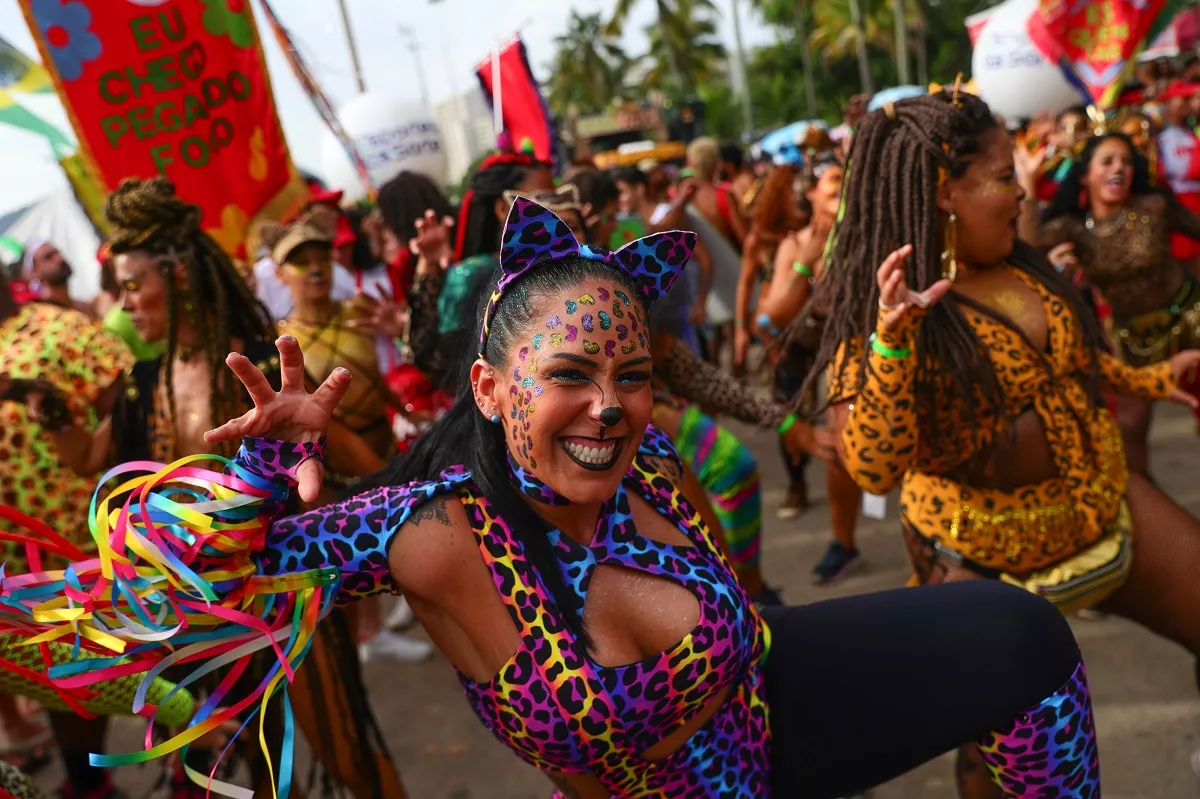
(965, 370)
(1121, 228)
(179, 286)
(542, 535)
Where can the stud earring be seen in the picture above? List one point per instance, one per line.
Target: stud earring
(495, 418)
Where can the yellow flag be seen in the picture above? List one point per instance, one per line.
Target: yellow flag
(20, 73)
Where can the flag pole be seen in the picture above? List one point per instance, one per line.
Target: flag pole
(497, 93)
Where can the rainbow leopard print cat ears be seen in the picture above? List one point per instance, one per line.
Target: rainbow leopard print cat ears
(534, 235)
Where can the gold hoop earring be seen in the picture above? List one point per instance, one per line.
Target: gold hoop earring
(950, 254)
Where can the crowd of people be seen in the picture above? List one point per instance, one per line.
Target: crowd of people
(510, 411)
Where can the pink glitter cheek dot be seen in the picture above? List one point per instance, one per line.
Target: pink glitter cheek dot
(610, 348)
(537, 391)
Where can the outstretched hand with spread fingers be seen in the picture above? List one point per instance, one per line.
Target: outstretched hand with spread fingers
(434, 242)
(896, 299)
(290, 414)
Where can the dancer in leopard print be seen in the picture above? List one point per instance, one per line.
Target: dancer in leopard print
(966, 371)
(542, 536)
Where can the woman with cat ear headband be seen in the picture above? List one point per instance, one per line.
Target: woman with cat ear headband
(542, 538)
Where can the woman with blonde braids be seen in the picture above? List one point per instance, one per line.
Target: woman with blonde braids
(965, 370)
(179, 286)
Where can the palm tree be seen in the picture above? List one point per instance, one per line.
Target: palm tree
(845, 26)
(780, 12)
(860, 46)
(800, 21)
(674, 16)
(685, 50)
(588, 68)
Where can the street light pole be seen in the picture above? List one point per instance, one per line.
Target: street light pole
(747, 107)
(411, 36)
(358, 73)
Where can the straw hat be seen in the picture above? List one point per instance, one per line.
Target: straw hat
(296, 236)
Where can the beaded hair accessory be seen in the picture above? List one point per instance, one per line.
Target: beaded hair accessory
(533, 235)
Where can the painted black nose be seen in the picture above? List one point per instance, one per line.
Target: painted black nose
(610, 416)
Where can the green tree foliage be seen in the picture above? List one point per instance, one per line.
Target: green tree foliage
(685, 57)
(589, 66)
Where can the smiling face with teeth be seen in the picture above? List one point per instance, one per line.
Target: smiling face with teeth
(1109, 177)
(585, 350)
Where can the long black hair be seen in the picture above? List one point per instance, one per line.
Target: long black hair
(8, 305)
(405, 198)
(478, 228)
(1069, 199)
(890, 199)
(465, 437)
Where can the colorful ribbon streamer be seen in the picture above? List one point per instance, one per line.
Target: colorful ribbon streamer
(174, 582)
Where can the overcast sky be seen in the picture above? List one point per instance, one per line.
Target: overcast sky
(454, 35)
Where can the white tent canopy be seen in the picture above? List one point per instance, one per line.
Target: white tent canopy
(59, 219)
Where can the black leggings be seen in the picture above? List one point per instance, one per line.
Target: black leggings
(861, 690)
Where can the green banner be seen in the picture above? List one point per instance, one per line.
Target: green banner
(13, 113)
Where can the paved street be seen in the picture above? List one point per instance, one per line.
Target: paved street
(1147, 706)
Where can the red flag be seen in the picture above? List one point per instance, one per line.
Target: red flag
(1094, 42)
(526, 117)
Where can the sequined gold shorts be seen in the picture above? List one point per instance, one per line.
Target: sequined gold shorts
(1081, 581)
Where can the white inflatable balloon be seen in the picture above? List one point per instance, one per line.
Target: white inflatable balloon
(391, 135)
(1013, 77)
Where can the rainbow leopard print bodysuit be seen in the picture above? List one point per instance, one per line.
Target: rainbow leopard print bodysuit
(550, 704)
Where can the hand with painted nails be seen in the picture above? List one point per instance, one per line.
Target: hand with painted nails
(290, 414)
(896, 299)
(434, 243)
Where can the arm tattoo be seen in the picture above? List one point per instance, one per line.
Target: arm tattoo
(669, 468)
(434, 509)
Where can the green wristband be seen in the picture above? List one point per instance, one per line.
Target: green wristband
(787, 424)
(802, 269)
(889, 352)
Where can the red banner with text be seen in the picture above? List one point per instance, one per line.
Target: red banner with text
(177, 88)
(1094, 42)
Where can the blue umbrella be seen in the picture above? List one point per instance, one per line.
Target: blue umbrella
(783, 144)
(895, 95)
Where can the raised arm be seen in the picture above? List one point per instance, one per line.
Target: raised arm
(698, 381)
(1158, 381)
(876, 418)
(1030, 227)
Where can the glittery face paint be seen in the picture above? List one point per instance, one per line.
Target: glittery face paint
(576, 361)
